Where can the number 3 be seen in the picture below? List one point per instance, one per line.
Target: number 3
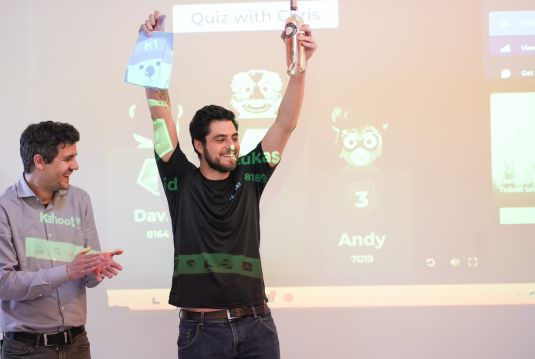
(362, 199)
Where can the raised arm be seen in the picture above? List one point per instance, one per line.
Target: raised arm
(165, 134)
(290, 107)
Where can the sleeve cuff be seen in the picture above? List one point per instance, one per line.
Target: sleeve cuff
(58, 276)
(91, 280)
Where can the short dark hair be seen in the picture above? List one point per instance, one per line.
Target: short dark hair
(200, 124)
(43, 139)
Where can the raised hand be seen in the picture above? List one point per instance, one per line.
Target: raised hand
(155, 22)
(307, 41)
(107, 266)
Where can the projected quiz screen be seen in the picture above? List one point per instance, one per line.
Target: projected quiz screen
(412, 167)
(402, 171)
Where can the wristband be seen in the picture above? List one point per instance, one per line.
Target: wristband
(156, 103)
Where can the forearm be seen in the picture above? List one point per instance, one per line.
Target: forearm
(21, 285)
(17, 284)
(163, 108)
(289, 109)
(165, 133)
(91, 241)
(291, 103)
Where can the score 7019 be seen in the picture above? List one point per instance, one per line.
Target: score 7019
(362, 259)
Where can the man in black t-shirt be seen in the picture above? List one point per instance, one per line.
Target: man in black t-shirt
(217, 279)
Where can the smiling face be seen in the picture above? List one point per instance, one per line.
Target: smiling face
(55, 175)
(220, 152)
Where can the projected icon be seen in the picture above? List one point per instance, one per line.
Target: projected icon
(148, 176)
(288, 297)
(506, 73)
(272, 295)
(505, 49)
(455, 262)
(256, 96)
(473, 262)
(430, 262)
(362, 144)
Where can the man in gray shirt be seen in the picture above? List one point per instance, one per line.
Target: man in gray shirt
(49, 250)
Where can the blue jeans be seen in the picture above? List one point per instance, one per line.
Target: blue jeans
(241, 338)
(78, 349)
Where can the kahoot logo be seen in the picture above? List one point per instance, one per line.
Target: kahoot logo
(148, 175)
(362, 144)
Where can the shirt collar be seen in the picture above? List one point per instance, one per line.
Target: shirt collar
(24, 190)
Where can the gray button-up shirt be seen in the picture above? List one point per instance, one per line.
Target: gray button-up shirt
(36, 243)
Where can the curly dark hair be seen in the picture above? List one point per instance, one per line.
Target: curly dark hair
(199, 126)
(43, 139)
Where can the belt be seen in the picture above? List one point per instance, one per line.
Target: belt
(46, 340)
(233, 313)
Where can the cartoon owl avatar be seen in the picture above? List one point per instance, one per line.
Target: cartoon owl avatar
(256, 94)
(362, 144)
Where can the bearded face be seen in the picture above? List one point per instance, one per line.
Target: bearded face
(221, 148)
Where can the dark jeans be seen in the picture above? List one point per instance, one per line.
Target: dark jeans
(242, 338)
(78, 349)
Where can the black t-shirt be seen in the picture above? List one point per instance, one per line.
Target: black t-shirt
(216, 231)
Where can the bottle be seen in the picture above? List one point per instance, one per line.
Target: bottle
(295, 53)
